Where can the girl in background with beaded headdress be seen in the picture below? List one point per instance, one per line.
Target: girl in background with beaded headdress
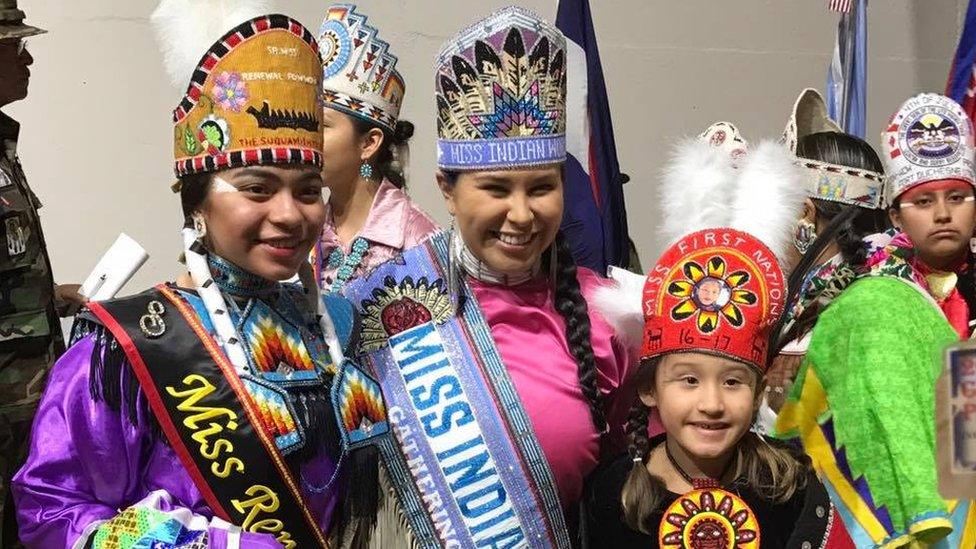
(370, 218)
(844, 181)
(206, 412)
(708, 306)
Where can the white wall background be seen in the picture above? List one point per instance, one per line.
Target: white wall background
(96, 127)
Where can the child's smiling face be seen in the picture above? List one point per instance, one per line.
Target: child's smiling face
(706, 403)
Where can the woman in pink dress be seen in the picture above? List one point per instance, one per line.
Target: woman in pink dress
(503, 385)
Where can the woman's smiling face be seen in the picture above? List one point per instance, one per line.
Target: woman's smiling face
(507, 218)
(265, 219)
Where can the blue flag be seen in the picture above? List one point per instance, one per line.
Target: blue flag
(962, 76)
(595, 219)
(847, 75)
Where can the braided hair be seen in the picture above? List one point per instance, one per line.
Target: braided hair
(773, 471)
(642, 492)
(571, 305)
(847, 225)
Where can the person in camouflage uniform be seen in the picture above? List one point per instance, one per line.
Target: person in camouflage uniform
(30, 332)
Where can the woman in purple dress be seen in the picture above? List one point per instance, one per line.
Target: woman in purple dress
(199, 413)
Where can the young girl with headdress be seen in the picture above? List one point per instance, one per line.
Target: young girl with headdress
(217, 411)
(709, 303)
(370, 219)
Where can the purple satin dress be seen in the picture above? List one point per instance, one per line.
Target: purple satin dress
(87, 463)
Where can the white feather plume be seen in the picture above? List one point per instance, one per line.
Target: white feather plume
(185, 30)
(768, 197)
(620, 302)
(695, 189)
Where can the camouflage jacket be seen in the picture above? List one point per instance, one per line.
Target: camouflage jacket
(27, 316)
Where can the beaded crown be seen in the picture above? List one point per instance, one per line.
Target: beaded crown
(929, 138)
(501, 94)
(824, 180)
(359, 73)
(253, 99)
(717, 291)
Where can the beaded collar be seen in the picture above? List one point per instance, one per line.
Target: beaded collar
(479, 270)
(235, 281)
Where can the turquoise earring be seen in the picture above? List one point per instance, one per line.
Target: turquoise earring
(366, 170)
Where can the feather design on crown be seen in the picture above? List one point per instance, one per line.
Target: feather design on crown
(186, 28)
(504, 77)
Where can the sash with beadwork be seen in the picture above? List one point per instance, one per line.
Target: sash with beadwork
(469, 471)
(207, 416)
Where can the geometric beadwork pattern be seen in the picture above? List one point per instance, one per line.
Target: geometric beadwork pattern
(359, 72)
(503, 77)
(145, 527)
(276, 415)
(359, 403)
(276, 345)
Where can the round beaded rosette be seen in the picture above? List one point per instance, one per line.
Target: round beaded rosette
(709, 519)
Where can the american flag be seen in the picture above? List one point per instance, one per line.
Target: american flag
(843, 6)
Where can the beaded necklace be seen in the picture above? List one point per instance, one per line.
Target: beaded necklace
(237, 282)
(696, 483)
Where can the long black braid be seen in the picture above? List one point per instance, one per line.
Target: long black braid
(846, 227)
(572, 307)
(638, 441)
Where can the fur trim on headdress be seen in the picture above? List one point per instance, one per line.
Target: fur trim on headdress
(695, 190)
(185, 30)
(768, 197)
(620, 302)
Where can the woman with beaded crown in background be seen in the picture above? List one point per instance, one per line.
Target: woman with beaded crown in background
(370, 218)
(204, 413)
(497, 372)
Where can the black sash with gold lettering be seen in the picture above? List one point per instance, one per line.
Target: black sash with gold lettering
(208, 417)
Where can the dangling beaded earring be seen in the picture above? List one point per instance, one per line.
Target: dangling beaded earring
(453, 263)
(199, 225)
(804, 235)
(366, 170)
